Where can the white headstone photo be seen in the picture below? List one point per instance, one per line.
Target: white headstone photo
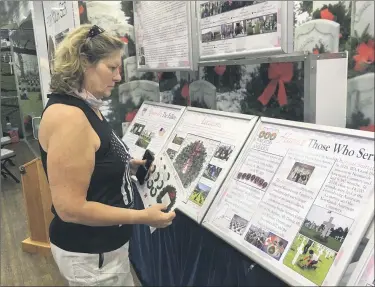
(315, 33)
(130, 69)
(361, 96)
(140, 90)
(363, 17)
(203, 92)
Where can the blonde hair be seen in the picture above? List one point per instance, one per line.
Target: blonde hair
(75, 52)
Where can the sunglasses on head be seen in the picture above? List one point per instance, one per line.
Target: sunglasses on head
(94, 31)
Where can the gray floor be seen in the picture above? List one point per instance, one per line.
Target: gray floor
(17, 267)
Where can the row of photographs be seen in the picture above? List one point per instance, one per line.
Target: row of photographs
(213, 8)
(249, 27)
(313, 250)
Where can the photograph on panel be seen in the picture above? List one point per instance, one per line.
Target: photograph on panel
(193, 157)
(326, 227)
(238, 224)
(266, 241)
(300, 173)
(200, 193)
(212, 172)
(309, 258)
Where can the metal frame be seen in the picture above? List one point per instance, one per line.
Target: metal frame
(310, 70)
(252, 123)
(285, 12)
(160, 104)
(360, 265)
(190, 45)
(367, 218)
(310, 82)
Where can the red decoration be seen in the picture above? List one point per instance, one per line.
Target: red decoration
(130, 116)
(365, 55)
(316, 51)
(81, 9)
(278, 73)
(172, 195)
(326, 14)
(369, 128)
(125, 40)
(160, 75)
(220, 70)
(185, 91)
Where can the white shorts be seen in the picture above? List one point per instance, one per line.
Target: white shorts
(82, 269)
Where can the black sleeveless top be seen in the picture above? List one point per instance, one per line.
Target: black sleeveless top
(110, 184)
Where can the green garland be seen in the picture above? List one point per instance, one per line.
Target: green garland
(294, 110)
(193, 171)
(172, 193)
(229, 81)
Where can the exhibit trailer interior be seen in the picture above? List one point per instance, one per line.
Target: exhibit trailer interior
(298, 200)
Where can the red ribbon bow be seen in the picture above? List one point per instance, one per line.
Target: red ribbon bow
(278, 73)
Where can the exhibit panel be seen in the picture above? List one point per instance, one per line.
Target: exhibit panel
(230, 29)
(195, 160)
(151, 127)
(163, 35)
(298, 200)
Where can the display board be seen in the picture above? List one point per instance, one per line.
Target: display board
(298, 200)
(363, 274)
(151, 127)
(59, 18)
(163, 35)
(238, 28)
(195, 160)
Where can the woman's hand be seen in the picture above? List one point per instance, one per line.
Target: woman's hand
(155, 217)
(137, 162)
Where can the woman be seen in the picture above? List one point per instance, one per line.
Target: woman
(88, 165)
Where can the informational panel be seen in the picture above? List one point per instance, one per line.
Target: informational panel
(59, 18)
(363, 274)
(151, 127)
(196, 159)
(163, 35)
(298, 200)
(238, 28)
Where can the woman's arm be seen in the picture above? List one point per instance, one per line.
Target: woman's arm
(71, 159)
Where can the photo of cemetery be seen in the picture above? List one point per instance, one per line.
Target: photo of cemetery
(144, 139)
(223, 152)
(212, 172)
(326, 227)
(310, 259)
(199, 195)
(238, 224)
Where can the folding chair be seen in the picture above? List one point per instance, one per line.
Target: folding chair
(6, 156)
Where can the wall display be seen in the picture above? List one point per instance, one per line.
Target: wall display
(363, 274)
(298, 200)
(238, 28)
(163, 35)
(151, 127)
(59, 17)
(195, 160)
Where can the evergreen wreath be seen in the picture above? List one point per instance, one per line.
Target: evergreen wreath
(194, 149)
(171, 190)
(293, 110)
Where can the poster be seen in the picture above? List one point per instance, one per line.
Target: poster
(162, 32)
(151, 128)
(293, 201)
(195, 160)
(238, 27)
(60, 18)
(363, 275)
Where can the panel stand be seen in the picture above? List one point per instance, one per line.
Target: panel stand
(38, 203)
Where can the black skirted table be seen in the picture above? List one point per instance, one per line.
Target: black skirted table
(186, 254)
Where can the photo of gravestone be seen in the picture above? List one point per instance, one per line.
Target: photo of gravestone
(238, 224)
(310, 259)
(326, 227)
